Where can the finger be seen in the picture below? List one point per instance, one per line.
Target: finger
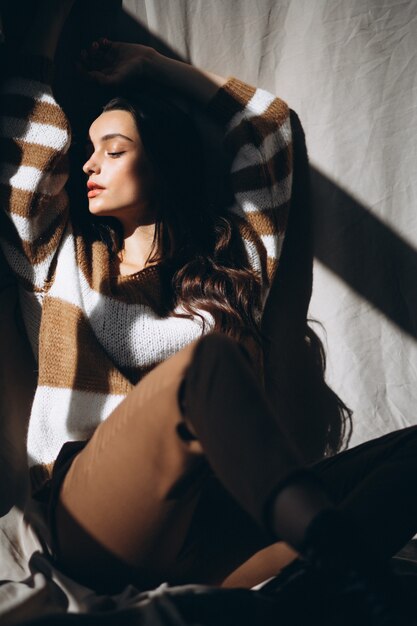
(100, 45)
(104, 42)
(100, 78)
(99, 56)
(87, 74)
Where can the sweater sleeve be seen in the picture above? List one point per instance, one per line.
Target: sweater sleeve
(258, 140)
(34, 140)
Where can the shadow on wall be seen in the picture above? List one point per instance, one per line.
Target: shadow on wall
(366, 254)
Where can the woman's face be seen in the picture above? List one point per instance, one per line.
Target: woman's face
(119, 173)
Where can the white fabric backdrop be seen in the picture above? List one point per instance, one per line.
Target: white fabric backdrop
(349, 69)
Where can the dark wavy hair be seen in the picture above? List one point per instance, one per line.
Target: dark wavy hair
(199, 250)
(204, 267)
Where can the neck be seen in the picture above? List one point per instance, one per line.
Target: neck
(137, 246)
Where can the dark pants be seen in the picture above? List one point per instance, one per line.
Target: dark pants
(158, 497)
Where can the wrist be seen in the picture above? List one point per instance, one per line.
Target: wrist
(155, 65)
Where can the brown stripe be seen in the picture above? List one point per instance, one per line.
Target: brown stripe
(264, 174)
(272, 265)
(248, 233)
(230, 99)
(255, 129)
(30, 110)
(40, 248)
(28, 203)
(269, 222)
(72, 357)
(33, 155)
(278, 111)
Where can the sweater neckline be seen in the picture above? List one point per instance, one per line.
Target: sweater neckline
(139, 275)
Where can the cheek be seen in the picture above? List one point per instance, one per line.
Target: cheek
(136, 183)
(130, 183)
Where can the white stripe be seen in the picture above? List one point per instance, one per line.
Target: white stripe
(31, 308)
(249, 154)
(257, 105)
(29, 88)
(253, 255)
(266, 197)
(35, 274)
(29, 229)
(34, 132)
(273, 245)
(27, 178)
(61, 415)
(139, 337)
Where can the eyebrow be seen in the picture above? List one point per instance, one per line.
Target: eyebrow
(112, 136)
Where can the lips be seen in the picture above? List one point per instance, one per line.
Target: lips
(93, 189)
(94, 192)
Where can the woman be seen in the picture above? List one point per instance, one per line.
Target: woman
(178, 468)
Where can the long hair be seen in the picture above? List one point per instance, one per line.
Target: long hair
(205, 268)
(199, 250)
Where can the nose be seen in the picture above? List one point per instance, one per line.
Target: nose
(91, 166)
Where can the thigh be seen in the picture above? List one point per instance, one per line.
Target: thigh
(129, 496)
(140, 503)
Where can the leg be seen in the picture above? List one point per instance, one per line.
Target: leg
(131, 495)
(155, 489)
(128, 497)
(140, 503)
(250, 453)
(245, 443)
(374, 485)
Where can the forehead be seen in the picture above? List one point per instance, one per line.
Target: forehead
(114, 122)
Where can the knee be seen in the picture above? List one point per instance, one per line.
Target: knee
(216, 360)
(218, 364)
(217, 348)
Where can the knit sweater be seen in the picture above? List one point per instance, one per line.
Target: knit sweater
(94, 333)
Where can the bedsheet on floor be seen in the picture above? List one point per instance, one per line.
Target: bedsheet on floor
(34, 593)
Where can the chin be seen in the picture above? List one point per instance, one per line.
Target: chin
(103, 211)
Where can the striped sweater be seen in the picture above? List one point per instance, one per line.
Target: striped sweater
(93, 332)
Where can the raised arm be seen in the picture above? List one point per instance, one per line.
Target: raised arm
(46, 29)
(258, 139)
(257, 136)
(34, 137)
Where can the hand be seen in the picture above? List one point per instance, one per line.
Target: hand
(111, 62)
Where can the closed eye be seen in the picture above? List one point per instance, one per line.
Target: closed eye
(114, 155)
